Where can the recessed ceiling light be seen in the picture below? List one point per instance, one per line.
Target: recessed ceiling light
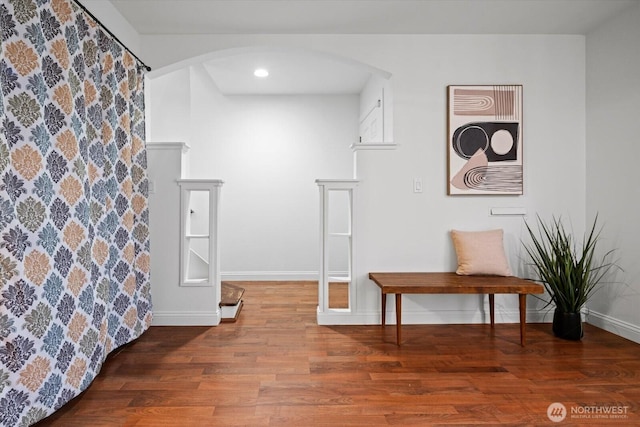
(261, 72)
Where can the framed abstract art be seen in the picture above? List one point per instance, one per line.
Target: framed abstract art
(484, 140)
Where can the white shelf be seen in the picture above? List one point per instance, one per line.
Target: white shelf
(338, 184)
(516, 211)
(373, 146)
(342, 279)
(198, 280)
(340, 234)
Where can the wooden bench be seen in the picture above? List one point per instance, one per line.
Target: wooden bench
(451, 283)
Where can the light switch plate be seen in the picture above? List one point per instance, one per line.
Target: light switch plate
(417, 185)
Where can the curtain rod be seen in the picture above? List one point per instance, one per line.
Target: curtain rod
(81, 6)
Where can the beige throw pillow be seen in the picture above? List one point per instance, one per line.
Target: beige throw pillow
(480, 252)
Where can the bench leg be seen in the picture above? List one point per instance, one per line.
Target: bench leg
(523, 317)
(384, 308)
(492, 300)
(398, 318)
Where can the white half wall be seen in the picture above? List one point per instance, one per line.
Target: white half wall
(613, 96)
(172, 304)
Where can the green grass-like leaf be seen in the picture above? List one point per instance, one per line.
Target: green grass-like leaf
(570, 272)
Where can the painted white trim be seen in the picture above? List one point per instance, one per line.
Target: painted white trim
(182, 146)
(186, 318)
(269, 275)
(345, 317)
(359, 146)
(199, 184)
(338, 184)
(611, 324)
(456, 317)
(266, 50)
(445, 317)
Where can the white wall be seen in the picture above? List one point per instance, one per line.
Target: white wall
(613, 96)
(269, 150)
(402, 230)
(167, 103)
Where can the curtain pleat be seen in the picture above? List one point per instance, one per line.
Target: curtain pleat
(74, 238)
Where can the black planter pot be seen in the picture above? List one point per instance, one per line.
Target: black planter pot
(567, 326)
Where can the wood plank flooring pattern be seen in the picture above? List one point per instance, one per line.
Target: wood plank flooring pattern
(276, 367)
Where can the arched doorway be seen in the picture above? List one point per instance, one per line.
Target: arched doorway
(269, 139)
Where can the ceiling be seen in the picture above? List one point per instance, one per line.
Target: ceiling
(300, 72)
(291, 72)
(368, 16)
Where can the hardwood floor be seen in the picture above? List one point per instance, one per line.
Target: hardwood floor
(276, 367)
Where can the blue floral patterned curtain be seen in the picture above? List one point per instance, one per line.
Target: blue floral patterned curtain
(74, 240)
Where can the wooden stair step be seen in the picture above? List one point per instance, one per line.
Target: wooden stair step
(230, 294)
(230, 302)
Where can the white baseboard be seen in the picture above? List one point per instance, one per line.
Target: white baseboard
(269, 275)
(457, 317)
(613, 325)
(341, 317)
(272, 276)
(186, 318)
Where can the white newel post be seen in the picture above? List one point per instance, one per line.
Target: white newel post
(328, 232)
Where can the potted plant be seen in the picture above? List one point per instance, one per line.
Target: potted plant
(571, 272)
